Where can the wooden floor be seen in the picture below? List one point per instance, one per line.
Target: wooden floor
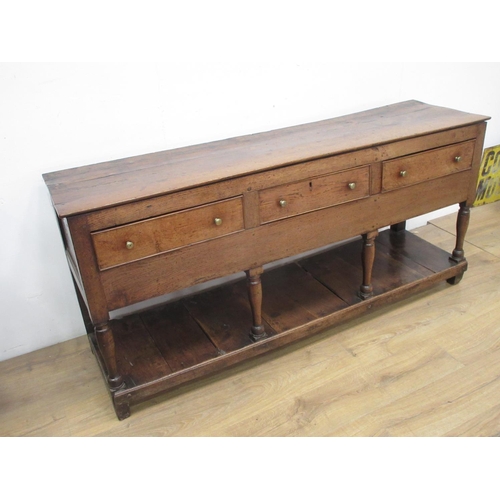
(426, 366)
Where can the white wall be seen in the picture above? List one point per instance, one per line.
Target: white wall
(56, 116)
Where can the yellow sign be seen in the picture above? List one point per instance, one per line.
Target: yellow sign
(488, 186)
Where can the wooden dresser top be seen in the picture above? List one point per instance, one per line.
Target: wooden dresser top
(93, 187)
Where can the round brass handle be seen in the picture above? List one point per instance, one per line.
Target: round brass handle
(352, 185)
(403, 173)
(129, 245)
(458, 158)
(217, 221)
(283, 203)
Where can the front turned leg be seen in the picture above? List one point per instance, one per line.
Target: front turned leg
(367, 259)
(255, 296)
(462, 225)
(106, 343)
(458, 254)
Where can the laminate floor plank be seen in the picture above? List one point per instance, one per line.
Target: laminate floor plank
(440, 406)
(384, 381)
(484, 424)
(36, 400)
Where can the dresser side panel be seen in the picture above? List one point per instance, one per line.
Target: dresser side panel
(88, 269)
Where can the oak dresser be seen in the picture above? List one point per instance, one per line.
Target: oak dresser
(150, 225)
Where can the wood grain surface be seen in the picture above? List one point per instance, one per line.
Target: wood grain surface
(86, 188)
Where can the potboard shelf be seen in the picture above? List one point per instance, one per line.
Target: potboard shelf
(164, 347)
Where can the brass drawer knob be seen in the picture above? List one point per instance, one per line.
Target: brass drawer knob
(352, 185)
(129, 245)
(403, 173)
(458, 158)
(283, 203)
(217, 221)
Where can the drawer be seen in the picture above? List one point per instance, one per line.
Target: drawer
(428, 165)
(167, 232)
(312, 194)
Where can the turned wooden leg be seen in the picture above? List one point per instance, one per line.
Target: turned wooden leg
(106, 343)
(367, 259)
(458, 254)
(462, 225)
(255, 296)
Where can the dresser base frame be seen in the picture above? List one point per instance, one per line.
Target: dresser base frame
(195, 337)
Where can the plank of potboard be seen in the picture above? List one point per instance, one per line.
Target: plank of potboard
(139, 360)
(341, 271)
(339, 276)
(179, 338)
(400, 247)
(408, 247)
(389, 272)
(292, 297)
(224, 314)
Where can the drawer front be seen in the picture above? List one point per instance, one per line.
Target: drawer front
(254, 247)
(312, 194)
(422, 167)
(160, 234)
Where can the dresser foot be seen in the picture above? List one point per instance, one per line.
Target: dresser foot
(455, 280)
(367, 260)
(122, 409)
(257, 333)
(363, 295)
